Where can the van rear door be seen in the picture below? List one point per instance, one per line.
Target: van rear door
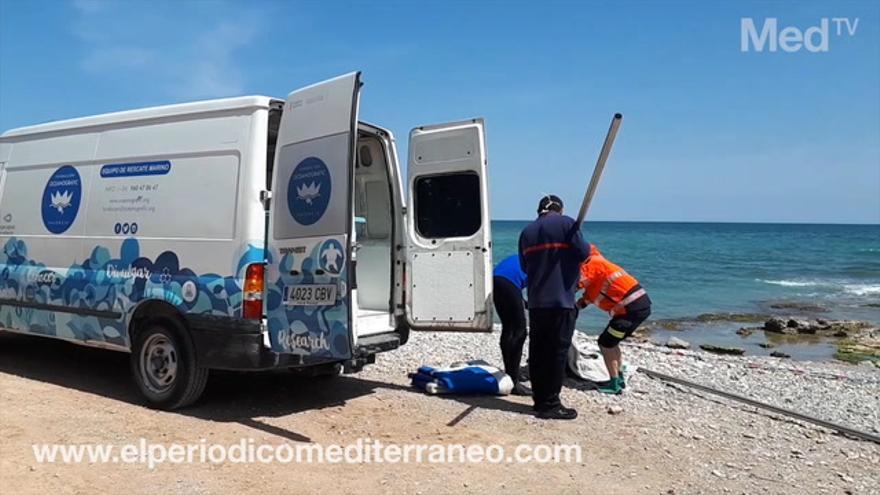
(309, 273)
(449, 251)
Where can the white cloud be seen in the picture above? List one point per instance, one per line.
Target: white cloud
(215, 71)
(118, 57)
(186, 52)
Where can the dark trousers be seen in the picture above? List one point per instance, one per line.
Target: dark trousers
(511, 310)
(550, 332)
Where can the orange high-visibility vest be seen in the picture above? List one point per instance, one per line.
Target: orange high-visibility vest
(606, 284)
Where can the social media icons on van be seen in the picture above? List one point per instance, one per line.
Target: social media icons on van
(308, 191)
(125, 228)
(61, 199)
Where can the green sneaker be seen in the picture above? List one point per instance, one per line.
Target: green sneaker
(613, 386)
(622, 380)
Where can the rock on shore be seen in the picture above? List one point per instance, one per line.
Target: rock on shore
(834, 328)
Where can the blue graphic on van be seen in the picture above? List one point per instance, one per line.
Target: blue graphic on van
(119, 284)
(317, 333)
(61, 198)
(105, 283)
(135, 169)
(332, 256)
(308, 191)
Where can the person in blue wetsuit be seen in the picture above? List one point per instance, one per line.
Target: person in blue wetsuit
(509, 281)
(551, 250)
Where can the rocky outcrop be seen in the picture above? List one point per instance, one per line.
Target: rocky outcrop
(717, 349)
(819, 326)
(857, 341)
(776, 325)
(860, 350)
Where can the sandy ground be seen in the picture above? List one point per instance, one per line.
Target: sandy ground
(53, 392)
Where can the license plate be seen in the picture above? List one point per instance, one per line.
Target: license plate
(311, 295)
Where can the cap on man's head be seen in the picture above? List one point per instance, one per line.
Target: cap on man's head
(548, 203)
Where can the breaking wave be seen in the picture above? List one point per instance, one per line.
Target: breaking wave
(854, 289)
(791, 283)
(862, 289)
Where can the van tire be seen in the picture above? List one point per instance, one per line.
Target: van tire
(163, 363)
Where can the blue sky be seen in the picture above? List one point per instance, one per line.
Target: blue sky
(710, 133)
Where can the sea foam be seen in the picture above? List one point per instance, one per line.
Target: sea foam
(790, 283)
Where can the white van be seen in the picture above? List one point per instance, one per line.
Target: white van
(244, 233)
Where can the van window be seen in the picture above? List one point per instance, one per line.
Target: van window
(447, 205)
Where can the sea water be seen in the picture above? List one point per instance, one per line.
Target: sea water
(692, 269)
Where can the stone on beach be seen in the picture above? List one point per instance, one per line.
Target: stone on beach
(718, 349)
(677, 343)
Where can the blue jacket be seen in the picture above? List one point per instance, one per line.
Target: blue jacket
(551, 250)
(510, 269)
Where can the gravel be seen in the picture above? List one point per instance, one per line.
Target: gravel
(750, 449)
(838, 392)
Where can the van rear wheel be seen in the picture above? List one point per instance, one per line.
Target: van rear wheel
(164, 365)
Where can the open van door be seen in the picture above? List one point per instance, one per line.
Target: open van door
(449, 251)
(309, 274)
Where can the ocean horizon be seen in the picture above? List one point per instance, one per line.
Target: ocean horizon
(696, 272)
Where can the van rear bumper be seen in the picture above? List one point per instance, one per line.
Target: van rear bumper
(237, 344)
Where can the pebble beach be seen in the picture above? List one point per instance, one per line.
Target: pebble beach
(752, 450)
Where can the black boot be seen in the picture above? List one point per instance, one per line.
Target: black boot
(559, 412)
(520, 388)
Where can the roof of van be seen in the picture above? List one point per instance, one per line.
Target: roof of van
(145, 114)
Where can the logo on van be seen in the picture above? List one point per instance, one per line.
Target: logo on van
(308, 191)
(332, 256)
(61, 199)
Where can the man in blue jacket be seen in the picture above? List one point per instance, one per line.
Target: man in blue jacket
(508, 283)
(551, 250)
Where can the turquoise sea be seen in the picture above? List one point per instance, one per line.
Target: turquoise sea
(693, 269)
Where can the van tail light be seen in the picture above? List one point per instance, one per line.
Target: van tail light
(252, 306)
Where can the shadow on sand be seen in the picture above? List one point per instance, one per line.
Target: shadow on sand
(239, 397)
(229, 396)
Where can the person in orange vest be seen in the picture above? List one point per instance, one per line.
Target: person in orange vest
(618, 293)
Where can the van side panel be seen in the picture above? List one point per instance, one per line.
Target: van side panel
(94, 223)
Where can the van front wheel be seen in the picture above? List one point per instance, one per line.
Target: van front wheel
(164, 365)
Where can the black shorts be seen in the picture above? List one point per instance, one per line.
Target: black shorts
(622, 326)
